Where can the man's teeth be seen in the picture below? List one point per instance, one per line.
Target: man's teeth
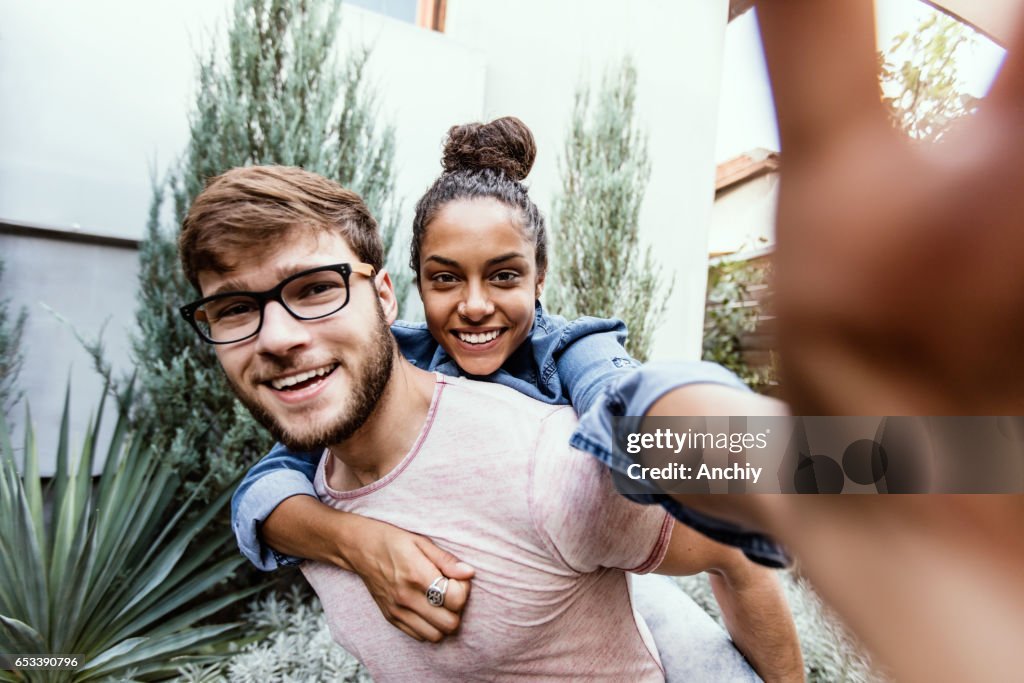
(301, 377)
(481, 338)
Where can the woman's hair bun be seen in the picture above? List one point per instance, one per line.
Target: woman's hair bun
(505, 144)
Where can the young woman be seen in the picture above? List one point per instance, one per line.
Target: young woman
(479, 251)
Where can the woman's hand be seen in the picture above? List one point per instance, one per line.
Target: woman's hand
(899, 291)
(397, 566)
(898, 279)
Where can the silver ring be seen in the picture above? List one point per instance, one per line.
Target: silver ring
(435, 594)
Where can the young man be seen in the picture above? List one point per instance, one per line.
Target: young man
(289, 268)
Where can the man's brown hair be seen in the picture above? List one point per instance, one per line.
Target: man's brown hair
(257, 206)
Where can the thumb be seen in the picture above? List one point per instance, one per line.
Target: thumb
(446, 563)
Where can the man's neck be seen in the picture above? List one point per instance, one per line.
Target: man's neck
(386, 437)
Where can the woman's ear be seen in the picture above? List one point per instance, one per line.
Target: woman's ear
(540, 284)
(386, 294)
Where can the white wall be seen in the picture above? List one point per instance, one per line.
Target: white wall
(537, 51)
(743, 217)
(68, 288)
(93, 96)
(426, 83)
(746, 112)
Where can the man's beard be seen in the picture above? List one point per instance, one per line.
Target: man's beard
(368, 386)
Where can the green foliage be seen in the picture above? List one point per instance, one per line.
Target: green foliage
(923, 89)
(11, 358)
(599, 268)
(279, 97)
(299, 647)
(110, 571)
(730, 315)
(831, 655)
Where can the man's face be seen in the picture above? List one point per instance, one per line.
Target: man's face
(311, 383)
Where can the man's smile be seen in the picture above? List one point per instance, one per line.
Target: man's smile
(301, 379)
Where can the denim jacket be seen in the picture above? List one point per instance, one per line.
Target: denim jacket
(581, 362)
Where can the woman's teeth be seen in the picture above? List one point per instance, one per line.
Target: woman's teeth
(481, 338)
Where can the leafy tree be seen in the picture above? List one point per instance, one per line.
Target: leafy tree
(11, 357)
(600, 268)
(921, 83)
(278, 98)
(729, 317)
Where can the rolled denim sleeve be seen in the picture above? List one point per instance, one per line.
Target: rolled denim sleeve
(590, 356)
(280, 475)
(633, 395)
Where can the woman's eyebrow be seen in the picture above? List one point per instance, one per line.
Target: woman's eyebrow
(452, 263)
(505, 257)
(443, 261)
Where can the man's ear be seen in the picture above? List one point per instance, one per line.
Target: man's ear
(386, 294)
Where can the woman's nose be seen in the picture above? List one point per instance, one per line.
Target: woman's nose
(477, 305)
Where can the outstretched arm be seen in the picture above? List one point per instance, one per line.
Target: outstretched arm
(751, 598)
(898, 289)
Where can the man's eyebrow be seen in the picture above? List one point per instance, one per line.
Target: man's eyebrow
(228, 287)
(280, 273)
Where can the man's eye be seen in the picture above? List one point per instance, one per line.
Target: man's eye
(230, 309)
(320, 288)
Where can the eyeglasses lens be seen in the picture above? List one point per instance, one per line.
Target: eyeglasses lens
(235, 317)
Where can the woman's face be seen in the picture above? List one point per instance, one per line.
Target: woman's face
(478, 282)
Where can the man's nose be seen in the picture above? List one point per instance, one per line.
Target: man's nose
(281, 331)
(477, 304)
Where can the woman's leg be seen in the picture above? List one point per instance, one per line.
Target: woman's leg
(692, 645)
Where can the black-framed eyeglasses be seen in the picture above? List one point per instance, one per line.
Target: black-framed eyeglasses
(312, 294)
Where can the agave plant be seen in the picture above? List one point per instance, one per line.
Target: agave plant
(114, 571)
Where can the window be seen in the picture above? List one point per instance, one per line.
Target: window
(403, 10)
(425, 13)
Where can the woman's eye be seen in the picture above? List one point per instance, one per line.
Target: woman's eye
(506, 277)
(444, 279)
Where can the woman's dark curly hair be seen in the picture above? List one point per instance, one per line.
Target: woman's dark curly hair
(484, 160)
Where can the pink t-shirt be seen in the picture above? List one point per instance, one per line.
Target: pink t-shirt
(492, 479)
